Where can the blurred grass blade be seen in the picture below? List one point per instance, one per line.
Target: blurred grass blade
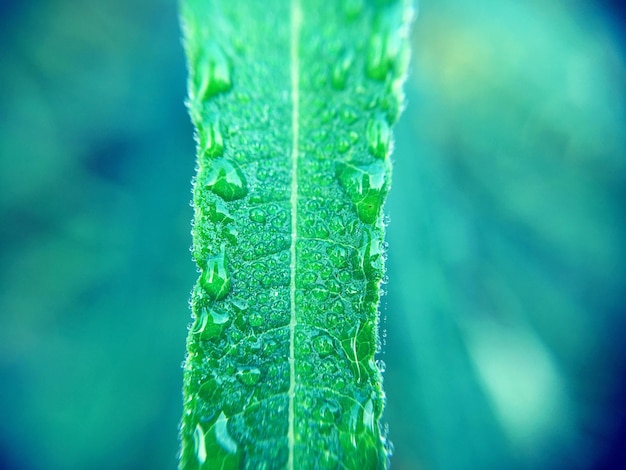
(292, 104)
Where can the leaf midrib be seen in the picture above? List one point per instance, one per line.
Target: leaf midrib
(295, 22)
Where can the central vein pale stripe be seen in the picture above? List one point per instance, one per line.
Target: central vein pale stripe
(296, 20)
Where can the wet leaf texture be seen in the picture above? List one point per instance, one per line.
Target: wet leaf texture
(293, 103)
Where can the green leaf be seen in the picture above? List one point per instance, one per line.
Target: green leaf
(293, 103)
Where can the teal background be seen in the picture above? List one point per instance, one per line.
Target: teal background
(503, 319)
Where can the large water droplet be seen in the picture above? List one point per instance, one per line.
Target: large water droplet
(199, 445)
(210, 324)
(368, 415)
(372, 256)
(378, 136)
(383, 48)
(339, 74)
(366, 186)
(211, 72)
(211, 140)
(215, 279)
(248, 376)
(211, 392)
(218, 212)
(222, 435)
(226, 179)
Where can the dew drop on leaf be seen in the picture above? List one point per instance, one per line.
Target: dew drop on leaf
(226, 179)
(340, 70)
(218, 212)
(383, 47)
(212, 72)
(343, 145)
(337, 307)
(215, 279)
(211, 140)
(319, 294)
(258, 215)
(366, 186)
(368, 415)
(240, 304)
(372, 256)
(343, 276)
(349, 115)
(338, 256)
(222, 435)
(210, 391)
(255, 319)
(378, 136)
(198, 444)
(210, 324)
(323, 344)
(248, 376)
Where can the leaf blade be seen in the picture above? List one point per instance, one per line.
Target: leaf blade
(293, 169)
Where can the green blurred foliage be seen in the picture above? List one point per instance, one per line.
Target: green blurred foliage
(506, 255)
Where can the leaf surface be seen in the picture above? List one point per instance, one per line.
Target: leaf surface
(293, 103)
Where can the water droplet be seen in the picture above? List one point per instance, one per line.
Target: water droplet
(381, 366)
(372, 256)
(368, 415)
(323, 344)
(333, 287)
(211, 392)
(378, 136)
(327, 115)
(343, 276)
(210, 324)
(330, 412)
(343, 145)
(226, 180)
(366, 186)
(349, 115)
(215, 278)
(258, 215)
(222, 436)
(338, 256)
(212, 72)
(248, 376)
(230, 233)
(199, 445)
(319, 294)
(240, 304)
(339, 74)
(337, 307)
(255, 319)
(320, 231)
(383, 48)
(218, 212)
(308, 278)
(211, 141)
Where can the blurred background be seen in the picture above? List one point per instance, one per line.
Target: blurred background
(504, 315)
